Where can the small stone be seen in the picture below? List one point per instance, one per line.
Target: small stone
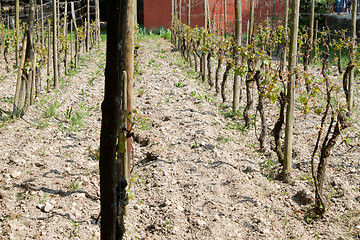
(258, 204)
(200, 222)
(209, 146)
(79, 195)
(48, 207)
(180, 208)
(249, 225)
(136, 207)
(167, 203)
(358, 227)
(15, 174)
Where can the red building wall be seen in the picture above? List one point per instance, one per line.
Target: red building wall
(157, 13)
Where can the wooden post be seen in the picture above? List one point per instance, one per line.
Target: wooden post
(135, 13)
(129, 59)
(179, 38)
(65, 36)
(88, 26)
(350, 97)
(71, 42)
(55, 60)
(311, 35)
(76, 34)
(113, 186)
(180, 6)
(204, 55)
(42, 24)
(58, 9)
(48, 62)
(225, 18)
(238, 35)
(97, 21)
(284, 53)
(17, 97)
(17, 29)
(291, 90)
(252, 16)
(189, 13)
(29, 55)
(32, 81)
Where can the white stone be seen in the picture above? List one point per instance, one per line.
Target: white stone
(180, 208)
(167, 203)
(15, 174)
(48, 207)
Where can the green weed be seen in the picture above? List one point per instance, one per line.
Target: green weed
(144, 124)
(178, 84)
(224, 139)
(75, 186)
(307, 177)
(50, 111)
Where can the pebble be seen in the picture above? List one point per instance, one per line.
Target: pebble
(48, 207)
(249, 225)
(79, 195)
(180, 208)
(15, 174)
(167, 203)
(200, 222)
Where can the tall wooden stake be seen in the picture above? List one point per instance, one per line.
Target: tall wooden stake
(48, 55)
(55, 60)
(204, 55)
(288, 141)
(97, 21)
(42, 24)
(113, 186)
(350, 97)
(311, 35)
(225, 18)
(129, 59)
(238, 34)
(66, 39)
(285, 47)
(189, 12)
(76, 34)
(88, 26)
(17, 29)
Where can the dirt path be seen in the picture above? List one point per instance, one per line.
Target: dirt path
(196, 174)
(198, 178)
(49, 180)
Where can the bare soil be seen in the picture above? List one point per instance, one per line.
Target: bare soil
(196, 174)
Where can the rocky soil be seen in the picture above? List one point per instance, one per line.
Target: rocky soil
(197, 174)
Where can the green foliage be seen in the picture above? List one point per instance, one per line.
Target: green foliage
(50, 111)
(269, 167)
(75, 186)
(157, 33)
(178, 84)
(224, 139)
(144, 124)
(307, 177)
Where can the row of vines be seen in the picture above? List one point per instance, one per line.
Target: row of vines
(48, 37)
(322, 84)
